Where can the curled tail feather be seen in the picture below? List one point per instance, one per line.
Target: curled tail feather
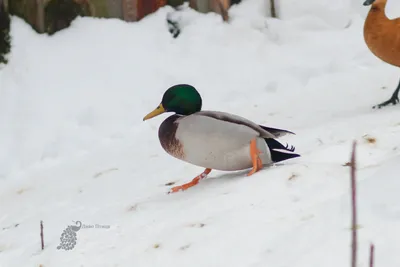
(280, 152)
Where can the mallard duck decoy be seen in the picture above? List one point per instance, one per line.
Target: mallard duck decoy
(382, 36)
(214, 139)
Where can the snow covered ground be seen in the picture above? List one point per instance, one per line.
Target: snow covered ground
(74, 146)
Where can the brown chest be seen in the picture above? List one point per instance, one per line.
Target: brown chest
(168, 140)
(382, 37)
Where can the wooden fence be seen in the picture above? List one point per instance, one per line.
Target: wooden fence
(34, 12)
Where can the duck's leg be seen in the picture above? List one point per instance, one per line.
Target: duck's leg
(254, 153)
(194, 182)
(393, 100)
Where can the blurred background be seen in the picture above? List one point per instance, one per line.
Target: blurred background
(53, 15)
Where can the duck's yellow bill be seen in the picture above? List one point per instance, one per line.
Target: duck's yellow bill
(159, 110)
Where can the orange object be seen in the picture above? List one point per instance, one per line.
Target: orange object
(254, 152)
(217, 4)
(382, 37)
(382, 34)
(192, 183)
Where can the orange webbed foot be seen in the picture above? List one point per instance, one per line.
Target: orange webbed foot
(192, 183)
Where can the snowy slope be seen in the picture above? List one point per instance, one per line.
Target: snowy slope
(75, 148)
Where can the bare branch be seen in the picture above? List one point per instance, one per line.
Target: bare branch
(371, 255)
(354, 206)
(41, 234)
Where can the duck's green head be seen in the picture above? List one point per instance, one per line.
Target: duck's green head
(183, 99)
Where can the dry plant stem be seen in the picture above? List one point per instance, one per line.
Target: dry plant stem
(354, 207)
(371, 256)
(41, 234)
(353, 168)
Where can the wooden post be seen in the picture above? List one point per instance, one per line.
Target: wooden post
(193, 4)
(135, 10)
(40, 16)
(202, 6)
(129, 10)
(115, 9)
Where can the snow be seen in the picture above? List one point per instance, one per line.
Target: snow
(75, 148)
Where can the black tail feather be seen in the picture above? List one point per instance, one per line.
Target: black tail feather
(276, 148)
(275, 131)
